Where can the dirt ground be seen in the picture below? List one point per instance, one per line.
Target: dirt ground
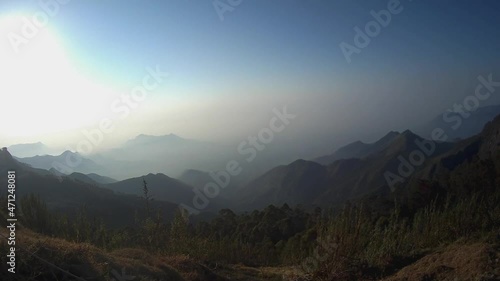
(454, 263)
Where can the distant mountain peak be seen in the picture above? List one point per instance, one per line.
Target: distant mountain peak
(29, 149)
(68, 161)
(302, 165)
(5, 154)
(409, 135)
(302, 162)
(157, 175)
(6, 158)
(144, 139)
(356, 143)
(390, 135)
(359, 149)
(69, 152)
(143, 136)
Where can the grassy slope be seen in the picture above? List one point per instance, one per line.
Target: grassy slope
(92, 263)
(478, 261)
(81, 259)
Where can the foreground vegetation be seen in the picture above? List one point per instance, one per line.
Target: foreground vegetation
(354, 243)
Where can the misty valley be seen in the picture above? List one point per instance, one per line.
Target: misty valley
(367, 211)
(236, 140)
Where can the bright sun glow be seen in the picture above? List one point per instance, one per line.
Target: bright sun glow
(42, 92)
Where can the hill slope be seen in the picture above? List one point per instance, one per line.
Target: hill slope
(357, 149)
(161, 187)
(309, 183)
(67, 196)
(66, 163)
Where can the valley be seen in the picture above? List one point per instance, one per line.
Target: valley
(233, 140)
(296, 222)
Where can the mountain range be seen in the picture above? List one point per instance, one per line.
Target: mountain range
(67, 194)
(92, 178)
(361, 171)
(173, 155)
(391, 166)
(356, 171)
(357, 149)
(66, 163)
(160, 186)
(170, 154)
(30, 149)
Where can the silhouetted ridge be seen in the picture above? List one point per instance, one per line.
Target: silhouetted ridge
(389, 136)
(407, 139)
(359, 174)
(161, 187)
(303, 163)
(5, 155)
(6, 160)
(359, 149)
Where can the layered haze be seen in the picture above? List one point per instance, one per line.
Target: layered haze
(250, 140)
(218, 81)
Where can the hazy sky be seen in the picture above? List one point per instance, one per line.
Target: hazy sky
(226, 76)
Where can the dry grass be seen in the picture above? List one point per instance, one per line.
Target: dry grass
(245, 273)
(92, 263)
(479, 261)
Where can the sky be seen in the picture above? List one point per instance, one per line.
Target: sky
(226, 72)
